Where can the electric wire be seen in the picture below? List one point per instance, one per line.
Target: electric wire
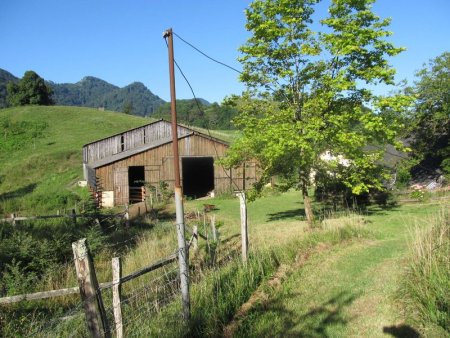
(268, 86)
(206, 55)
(230, 67)
(201, 111)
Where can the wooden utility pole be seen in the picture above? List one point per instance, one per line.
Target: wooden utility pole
(182, 253)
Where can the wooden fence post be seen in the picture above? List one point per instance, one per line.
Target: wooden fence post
(117, 288)
(13, 222)
(195, 234)
(89, 291)
(244, 227)
(74, 216)
(127, 216)
(213, 227)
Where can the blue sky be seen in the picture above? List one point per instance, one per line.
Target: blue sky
(121, 41)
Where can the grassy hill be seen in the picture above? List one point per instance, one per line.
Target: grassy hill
(40, 153)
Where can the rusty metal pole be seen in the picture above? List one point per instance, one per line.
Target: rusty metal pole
(182, 253)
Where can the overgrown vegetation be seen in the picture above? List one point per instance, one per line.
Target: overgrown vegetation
(426, 283)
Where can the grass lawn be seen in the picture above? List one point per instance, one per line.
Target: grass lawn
(347, 291)
(272, 220)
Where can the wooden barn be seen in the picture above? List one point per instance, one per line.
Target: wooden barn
(117, 167)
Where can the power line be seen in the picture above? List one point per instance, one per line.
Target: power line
(201, 110)
(232, 68)
(206, 55)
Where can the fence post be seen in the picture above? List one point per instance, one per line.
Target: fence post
(127, 216)
(213, 227)
(74, 216)
(89, 290)
(117, 288)
(244, 227)
(195, 234)
(13, 216)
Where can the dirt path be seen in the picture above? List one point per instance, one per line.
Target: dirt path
(348, 291)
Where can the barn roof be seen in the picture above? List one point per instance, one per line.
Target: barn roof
(193, 131)
(148, 146)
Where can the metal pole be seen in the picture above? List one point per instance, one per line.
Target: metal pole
(182, 254)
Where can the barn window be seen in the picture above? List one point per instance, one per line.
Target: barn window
(122, 143)
(198, 176)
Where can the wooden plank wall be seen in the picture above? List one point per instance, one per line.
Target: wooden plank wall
(158, 166)
(129, 140)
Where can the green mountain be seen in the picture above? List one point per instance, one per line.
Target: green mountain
(5, 77)
(134, 99)
(94, 92)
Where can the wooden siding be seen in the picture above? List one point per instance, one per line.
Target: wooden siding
(158, 166)
(130, 139)
(121, 151)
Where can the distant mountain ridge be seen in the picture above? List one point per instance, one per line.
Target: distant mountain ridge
(96, 93)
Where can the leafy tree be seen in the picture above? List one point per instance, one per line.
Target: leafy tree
(309, 93)
(128, 108)
(200, 114)
(430, 127)
(31, 89)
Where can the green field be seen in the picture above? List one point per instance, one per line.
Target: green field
(344, 278)
(40, 154)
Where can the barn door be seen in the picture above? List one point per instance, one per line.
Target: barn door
(121, 189)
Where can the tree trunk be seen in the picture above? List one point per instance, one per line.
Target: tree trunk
(307, 202)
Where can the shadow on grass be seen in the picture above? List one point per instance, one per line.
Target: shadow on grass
(319, 321)
(18, 193)
(296, 214)
(401, 331)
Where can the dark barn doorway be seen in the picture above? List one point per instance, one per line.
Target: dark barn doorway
(198, 176)
(136, 178)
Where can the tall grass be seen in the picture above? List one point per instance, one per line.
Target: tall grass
(426, 284)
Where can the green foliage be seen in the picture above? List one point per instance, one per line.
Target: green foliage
(16, 279)
(5, 78)
(203, 114)
(309, 92)
(403, 175)
(128, 108)
(430, 120)
(418, 194)
(31, 89)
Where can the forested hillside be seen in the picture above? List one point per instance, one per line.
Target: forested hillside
(135, 99)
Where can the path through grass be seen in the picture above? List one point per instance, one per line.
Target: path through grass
(347, 291)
